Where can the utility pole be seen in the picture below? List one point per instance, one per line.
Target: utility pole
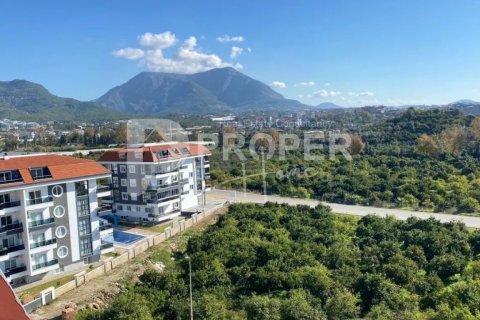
(264, 178)
(191, 296)
(244, 181)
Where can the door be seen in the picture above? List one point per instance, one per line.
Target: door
(5, 220)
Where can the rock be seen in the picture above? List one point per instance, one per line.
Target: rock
(95, 306)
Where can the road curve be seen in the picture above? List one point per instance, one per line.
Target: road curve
(237, 196)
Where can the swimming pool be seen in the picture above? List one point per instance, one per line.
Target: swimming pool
(123, 238)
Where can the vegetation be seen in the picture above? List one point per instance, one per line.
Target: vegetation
(422, 159)
(282, 262)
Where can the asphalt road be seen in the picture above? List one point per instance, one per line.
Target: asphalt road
(236, 196)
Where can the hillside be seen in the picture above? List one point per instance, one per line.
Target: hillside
(210, 92)
(24, 100)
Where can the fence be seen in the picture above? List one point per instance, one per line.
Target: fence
(84, 277)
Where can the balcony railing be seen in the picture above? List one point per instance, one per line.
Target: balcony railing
(104, 188)
(45, 264)
(16, 270)
(81, 192)
(42, 243)
(7, 250)
(11, 204)
(162, 187)
(102, 210)
(42, 222)
(105, 226)
(46, 199)
(15, 227)
(106, 245)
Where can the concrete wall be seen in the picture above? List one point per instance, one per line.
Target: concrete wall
(111, 263)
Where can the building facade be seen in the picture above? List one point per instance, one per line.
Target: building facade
(156, 182)
(49, 215)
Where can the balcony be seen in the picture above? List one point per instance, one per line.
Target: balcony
(43, 222)
(16, 227)
(7, 250)
(43, 243)
(11, 204)
(104, 209)
(106, 226)
(81, 192)
(16, 270)
(163, 187)
(46, 199)
(106, 245)
(45, 264)
(104, 188)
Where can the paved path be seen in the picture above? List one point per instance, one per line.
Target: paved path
(237, 196)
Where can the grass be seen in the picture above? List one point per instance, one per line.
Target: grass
(159, 228)
(35, 291)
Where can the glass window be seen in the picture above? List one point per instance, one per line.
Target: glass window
(123, 168)
(133, 196)
(131, 169)
(85, 247)
(124, 196)
(62, 252)
(133, 183)
(84, 227)
(57, 191)
(83, 208)
(61, 232)
(59, 211)
(115, 182)
(124, 182)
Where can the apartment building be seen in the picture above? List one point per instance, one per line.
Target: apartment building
(155, 182)
(49, 220)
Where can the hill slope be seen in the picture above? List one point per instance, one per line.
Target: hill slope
(24, 100)
(213, 91)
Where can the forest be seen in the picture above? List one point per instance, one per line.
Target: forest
(422, 159)
(276, 261)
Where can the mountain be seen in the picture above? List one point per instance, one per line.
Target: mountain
(210, 92)
(24, 100)
(328, 106)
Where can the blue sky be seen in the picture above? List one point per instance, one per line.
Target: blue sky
(350, 52)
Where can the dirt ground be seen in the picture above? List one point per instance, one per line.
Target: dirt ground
(96, 293)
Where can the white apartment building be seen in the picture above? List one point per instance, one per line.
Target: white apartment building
(155, 182)
(49, 220)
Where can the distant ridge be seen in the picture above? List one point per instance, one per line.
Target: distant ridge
(25, 100)
(211, 92)
(328, 106)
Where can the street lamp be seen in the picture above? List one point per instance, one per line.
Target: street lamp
(191, 297)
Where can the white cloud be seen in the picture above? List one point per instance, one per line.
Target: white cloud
(325, 93)
(305, 84)
(187, 59)
(366, 94)
(278, 85)
(236, 51)
(227, 38)
(160, 40)
(129, 53)
(361, 94)
(327, 84)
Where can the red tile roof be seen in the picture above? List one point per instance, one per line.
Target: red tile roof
(61, 167)
(150, 152)
(10, 306)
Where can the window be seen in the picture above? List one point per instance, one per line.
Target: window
(61, 232)
(129, 208)
(122, 155)
(10, 176)
(40, 173)
(81, 188)
(133, 183)
(114, 169)
(57, 191)
(119, 207)
(124, 196)
(185, 150)
(142, 169)
(138, 155)
(59, 211)
(84, 227)
(191, 174)
(191, 187)
(85, 247)
(34, 195)
(115, 182)
(133, 196)
(138, 209)
(62, 252)
(123, 168)
(83, 208)
(123, 182)
(131, 169)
